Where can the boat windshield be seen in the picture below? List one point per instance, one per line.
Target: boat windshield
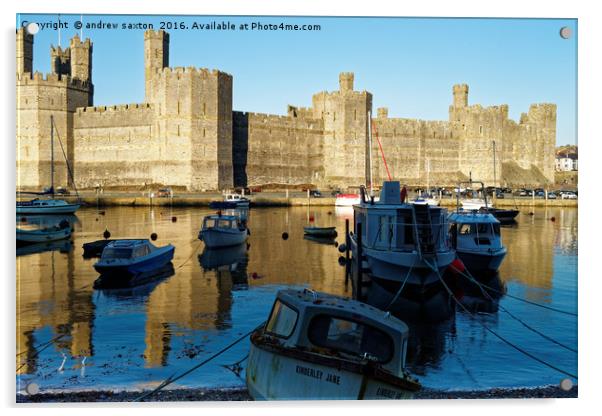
(117, 253)
(282, 320)
(479, 228)
(350, 337)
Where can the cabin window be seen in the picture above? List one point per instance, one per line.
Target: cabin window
(282, 320)
(141, 251)
(350, 337)
(405, 231)
(224, 224)
(496, 229)
(117, 253)
(465, 229)
(209, 223)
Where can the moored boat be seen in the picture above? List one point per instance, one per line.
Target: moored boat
(347, 200)
(330, 232)
(316, 346)
(237, 199)
(477, 239)
(122, 260)
(46, 206)
(60, 231)
(223, 231)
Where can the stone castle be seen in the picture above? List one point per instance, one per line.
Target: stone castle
(186, 135)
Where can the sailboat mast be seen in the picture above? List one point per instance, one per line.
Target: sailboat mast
(52, 155)
(370, 150)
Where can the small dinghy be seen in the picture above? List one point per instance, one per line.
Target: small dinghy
(223, 231)
(122, 261)
(330, 232)
(317, 346)
(55, 233)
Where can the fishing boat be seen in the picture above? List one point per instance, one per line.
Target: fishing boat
(312, 230)
(347, 200)
(316, 346)
(49, 206)
(223, 231)
(60, 231)
(237, 199)
(122, 260)
(483, 205)
(477, 240)
(404, 249)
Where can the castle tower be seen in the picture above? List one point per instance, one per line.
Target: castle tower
(460, 95)
(156, 57)
(24, 51)
(60, 61)
(81, 59)
(346, 81)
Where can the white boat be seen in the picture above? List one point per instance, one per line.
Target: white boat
(405, 249)
(425, 200)
(223, 231)
(237, 199)
(58, 232)
(473, 204)
(46, 206)
(478, 241)
(316, 346)
(347, 200)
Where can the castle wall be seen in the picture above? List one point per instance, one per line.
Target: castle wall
(276, 149)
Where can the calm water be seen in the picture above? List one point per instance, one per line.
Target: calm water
(133, 339)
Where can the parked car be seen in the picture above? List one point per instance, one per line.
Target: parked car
(164, 193)
(255, 189)
(568, 195)
(551, 195)
(315, 193)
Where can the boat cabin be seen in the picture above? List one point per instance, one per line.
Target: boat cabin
(127, 249)
(475, 231)
(234, 198)
(392, 225)
(223, 222)
(336, 326)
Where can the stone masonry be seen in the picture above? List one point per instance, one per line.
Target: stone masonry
(185, 134)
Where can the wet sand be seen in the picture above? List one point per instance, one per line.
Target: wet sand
(241, 394)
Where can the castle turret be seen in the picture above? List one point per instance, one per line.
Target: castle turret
(460, 95)
(24, 51)
(346, 81)
(156, 57)
(60, 60)
(382, 112)
(81, 59)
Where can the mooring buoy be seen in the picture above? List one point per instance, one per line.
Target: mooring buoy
(153, 236)
(285, 236)
(106, 234)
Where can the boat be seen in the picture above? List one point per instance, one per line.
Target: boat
(477, 240)
(95, 248)
(60, 231)
(49, 206)
(312, 230)
(140, 285)
(426, 197)
(122, 261)
(482, 205)
(237, 199)
(504, 216)
(347, 200)
(316, 346)
(404, 252)
(223, 231)
(329, 241)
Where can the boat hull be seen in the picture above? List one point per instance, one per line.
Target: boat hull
(39, 210)
(273, 376)
(482, 262)
(320, 231)
(129, 281)
(161, 256)
(41, 236)
(215, 238)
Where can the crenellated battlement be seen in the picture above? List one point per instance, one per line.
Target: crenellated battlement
(54, 80)
(109, 108)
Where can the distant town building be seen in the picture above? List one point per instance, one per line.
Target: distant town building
(566, 163)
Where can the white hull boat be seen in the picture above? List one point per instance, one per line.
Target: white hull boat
(473, 204)
(46, 206)
(42, 235)
(347, 200)
(316, 346)
(223, 231)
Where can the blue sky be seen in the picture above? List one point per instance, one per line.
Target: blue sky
(408, 64)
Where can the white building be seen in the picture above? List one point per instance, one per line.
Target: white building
(566, 163)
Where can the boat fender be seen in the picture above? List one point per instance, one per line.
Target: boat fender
(342, 248)
(458, 266)
(106, 234)
(153, 236)
(174, 219)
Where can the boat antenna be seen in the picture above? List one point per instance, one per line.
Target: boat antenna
(52, 155)
(494, 196)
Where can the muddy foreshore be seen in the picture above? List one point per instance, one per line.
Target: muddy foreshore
(241, 394)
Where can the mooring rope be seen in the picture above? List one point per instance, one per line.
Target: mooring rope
(191, 255)
(484, 292)
(174, 378)
(401, 287)
(524, 300)
(516, 347)
(38, 351)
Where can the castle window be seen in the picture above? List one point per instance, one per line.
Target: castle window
(204, 108)
(178, 129)
(334, 116)
(178, 107)
(354, 114)
(480, 129)
(203, 132)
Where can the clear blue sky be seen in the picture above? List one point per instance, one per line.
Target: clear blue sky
(408, 64)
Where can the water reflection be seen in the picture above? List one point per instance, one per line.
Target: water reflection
(164, 326)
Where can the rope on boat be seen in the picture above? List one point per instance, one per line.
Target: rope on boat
(169, 380)
(484, 292)
(525, 300)
(401, 287)
(516, 347)
(191, 255)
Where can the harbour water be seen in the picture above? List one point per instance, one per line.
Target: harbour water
(134, 339)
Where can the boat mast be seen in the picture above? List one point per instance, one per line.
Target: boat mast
(370, 150)
(428, 176)
(494, 196)
(52, 155)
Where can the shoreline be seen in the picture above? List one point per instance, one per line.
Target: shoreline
(241, 394)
